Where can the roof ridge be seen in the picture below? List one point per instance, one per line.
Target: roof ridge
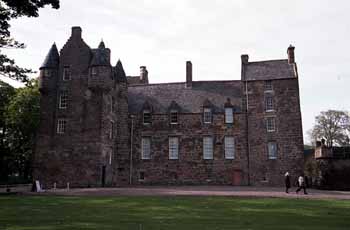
(272, 60)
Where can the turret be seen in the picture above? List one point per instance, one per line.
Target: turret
(100, 71)
(49, 70)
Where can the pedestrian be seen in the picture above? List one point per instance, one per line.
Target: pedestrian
(287, 181)
(301, 185)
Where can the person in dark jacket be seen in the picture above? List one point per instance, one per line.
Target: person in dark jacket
(287, 181)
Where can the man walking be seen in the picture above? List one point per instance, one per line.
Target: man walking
(287, 181)
(301, 185)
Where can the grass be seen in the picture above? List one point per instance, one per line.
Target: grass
(55, 212)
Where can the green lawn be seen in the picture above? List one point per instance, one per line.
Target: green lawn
(54, 212)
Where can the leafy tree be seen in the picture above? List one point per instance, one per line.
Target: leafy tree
(22, 119)
(6, 93)
(333, 126)
(12, 9)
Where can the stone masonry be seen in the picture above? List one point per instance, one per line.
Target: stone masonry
(97, 124)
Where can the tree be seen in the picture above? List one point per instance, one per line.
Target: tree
(22, 120)
(333, 126)
(12, 9)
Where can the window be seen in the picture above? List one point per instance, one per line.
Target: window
(228, 115)
(229, 148)
(147, 117)
(110, 158)
(268, 86)
(173, 148)
(112, 104)
(94, 71)
(207, 115)
(46, 73)
(270, 124)
(66, 73)
(61, 126)
(207, 148)
(141, 176)
(146, 148)
(269, 103)
(272, 150)
(63, 100)
(111, 130)
(173, 117)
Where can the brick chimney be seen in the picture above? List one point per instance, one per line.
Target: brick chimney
(143, 74)
(245, 58)
(290, 52)
(189, 74)
(76, 32)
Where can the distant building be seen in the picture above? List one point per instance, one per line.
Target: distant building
(100, 127)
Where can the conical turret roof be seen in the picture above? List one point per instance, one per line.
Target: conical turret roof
(120, 73)
(52, 58)
(100, 56)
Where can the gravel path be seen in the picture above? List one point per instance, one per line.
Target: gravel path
(234, 191)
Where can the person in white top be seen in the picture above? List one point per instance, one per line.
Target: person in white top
(301, 185)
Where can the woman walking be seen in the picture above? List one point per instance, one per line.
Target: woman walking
(287, 181)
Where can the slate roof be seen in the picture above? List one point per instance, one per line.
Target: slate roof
(52, 58)
(100, 56)
(269, 70)
(189, 100)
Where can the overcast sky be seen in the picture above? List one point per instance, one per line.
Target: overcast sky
(163, 35)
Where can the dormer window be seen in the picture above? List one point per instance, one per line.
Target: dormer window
(268, 85)
(46, 73)
(147, 118)
(173, 117)
(207, 115)
(66, 73)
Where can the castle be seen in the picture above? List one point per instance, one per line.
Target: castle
(99, 127)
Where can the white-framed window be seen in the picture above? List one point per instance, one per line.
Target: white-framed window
(173, 148)
(61, 126)
(270, 124)
(111, 130)
(63, 99)
(207, 115)
(268, 85)
(66, 73)
(228, 115)
(147, 118)
(269, 103)
(272, 150)
(173, 117)
(229, 148)
(146, 148)
(207, 148)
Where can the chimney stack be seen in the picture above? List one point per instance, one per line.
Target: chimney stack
(143, 74)
(245, 58)
(76, 32)
(290, 52)
(189, 74)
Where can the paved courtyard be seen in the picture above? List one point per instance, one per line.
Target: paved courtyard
(234, 191)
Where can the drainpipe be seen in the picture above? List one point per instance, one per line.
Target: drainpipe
(247, 130)
(131, 148)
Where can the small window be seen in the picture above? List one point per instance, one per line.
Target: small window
(63, 100)
(112, 104)
(228, 115)
(66, 73)
(141, 176)
(147, 117)
(146, 148)
(229, 148)
(207, 116)
(46, 73)
(94, 71)
(173, 117)
(270, 124)
(272, 150)
(61, 126)
(269, 103)
(111, 130)
(173, 148)
(207, 148)
(268, 86)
